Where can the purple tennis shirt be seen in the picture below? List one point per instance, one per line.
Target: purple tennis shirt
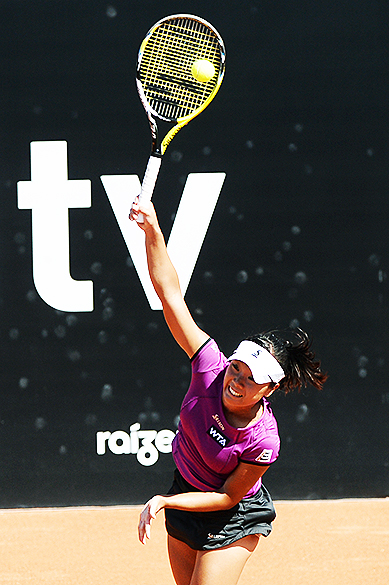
(207, 448)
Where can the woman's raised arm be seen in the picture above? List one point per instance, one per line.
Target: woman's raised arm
(165, 281)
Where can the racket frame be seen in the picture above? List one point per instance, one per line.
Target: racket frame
(158, 150)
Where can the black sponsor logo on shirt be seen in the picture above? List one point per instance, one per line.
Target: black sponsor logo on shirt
(217, 436)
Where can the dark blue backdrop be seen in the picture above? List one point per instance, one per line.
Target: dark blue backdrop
(299, 236)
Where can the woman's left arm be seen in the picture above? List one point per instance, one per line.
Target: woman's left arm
(235, 487)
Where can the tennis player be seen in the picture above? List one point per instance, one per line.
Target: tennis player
(217, 507)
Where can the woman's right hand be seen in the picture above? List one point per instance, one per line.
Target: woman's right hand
(148, 514)
(143, 213)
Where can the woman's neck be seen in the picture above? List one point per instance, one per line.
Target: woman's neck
(240, 420)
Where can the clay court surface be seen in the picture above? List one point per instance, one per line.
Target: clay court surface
(337, 542)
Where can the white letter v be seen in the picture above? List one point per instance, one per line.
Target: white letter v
(190, 226)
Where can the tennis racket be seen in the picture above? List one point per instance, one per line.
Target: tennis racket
(180, 69)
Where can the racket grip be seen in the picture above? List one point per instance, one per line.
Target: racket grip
(150, 177)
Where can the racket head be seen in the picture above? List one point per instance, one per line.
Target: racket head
(165, 83)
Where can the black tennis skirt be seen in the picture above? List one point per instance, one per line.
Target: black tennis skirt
(210, 530)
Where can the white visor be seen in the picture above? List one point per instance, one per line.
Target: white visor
(264, 367)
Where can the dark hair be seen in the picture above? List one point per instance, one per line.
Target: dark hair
(296, 358)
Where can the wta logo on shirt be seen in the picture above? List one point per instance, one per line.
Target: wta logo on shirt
(217, 436)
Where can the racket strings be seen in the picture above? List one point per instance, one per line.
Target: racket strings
(165, 68)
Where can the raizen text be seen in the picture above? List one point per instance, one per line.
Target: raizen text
(50, 194)
(145, 444)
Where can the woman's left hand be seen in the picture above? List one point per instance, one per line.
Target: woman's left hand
(148, 514)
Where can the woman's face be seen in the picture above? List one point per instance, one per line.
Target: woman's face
(240, 392)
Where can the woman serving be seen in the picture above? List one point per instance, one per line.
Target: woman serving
(217, 507)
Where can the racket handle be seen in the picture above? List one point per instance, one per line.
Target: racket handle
(149, 180)
(150, 177)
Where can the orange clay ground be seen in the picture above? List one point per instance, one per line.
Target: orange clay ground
(337, 542)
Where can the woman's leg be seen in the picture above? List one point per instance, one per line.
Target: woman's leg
(223, 566)
(182, 560)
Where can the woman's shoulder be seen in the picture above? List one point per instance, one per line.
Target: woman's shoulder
(208, 358)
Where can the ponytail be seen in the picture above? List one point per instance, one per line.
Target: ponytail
(296, 359)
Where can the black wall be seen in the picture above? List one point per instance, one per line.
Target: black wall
(299, 236)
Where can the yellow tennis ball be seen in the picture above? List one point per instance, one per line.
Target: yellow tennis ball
(203, 70)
